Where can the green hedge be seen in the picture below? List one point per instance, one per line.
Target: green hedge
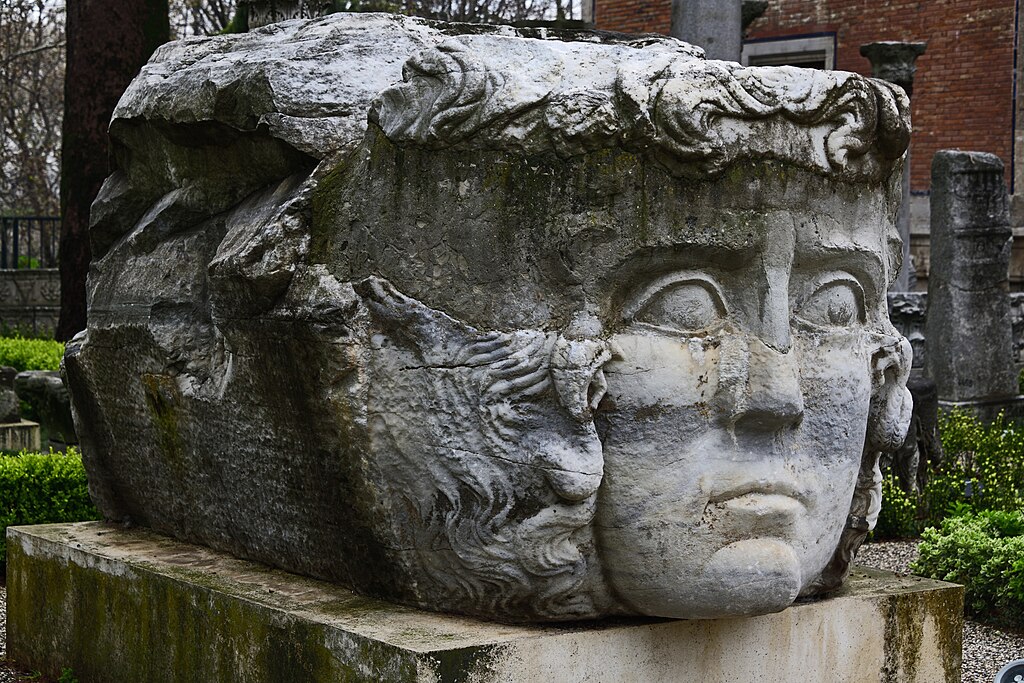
(985, 552)
(39, 488)
(30, 354)
(983, 470)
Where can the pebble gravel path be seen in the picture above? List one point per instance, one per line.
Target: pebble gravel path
(986, 649)
(6, 674)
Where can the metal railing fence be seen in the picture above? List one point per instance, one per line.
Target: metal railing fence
(29, 241)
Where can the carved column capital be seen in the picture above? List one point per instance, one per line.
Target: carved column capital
(894, 61)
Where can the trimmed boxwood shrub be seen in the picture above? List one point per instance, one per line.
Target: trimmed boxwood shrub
(39, 488)
(30, 354)
(984, 551)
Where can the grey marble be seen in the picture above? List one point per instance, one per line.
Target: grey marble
(969, 326)
(522, 324)
(715, 26)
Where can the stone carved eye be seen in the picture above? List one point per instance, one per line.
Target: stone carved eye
(680, 303)
(835, 303)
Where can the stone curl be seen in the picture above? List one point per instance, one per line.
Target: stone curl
(694, 116)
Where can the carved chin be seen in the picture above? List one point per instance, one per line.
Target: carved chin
(755, 576)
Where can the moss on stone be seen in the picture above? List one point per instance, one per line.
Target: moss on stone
(947, 610)
(326, 204)
(905, 615)
(464, 664)
(162, 403)
(127, 625)
(176, 617)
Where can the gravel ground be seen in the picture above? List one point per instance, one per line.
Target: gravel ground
(986, 649)
(6, 674)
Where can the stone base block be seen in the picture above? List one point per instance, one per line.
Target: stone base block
(17, 436)
(1012, 407)
(129, 605)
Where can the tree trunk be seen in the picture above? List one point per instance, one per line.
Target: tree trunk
(108, 41)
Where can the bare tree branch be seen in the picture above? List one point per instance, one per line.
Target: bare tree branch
(31, 105)
(32, 51)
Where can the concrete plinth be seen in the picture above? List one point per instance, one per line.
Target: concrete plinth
(128, 605)
(18, 436)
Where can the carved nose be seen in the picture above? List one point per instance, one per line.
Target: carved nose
(772, 399)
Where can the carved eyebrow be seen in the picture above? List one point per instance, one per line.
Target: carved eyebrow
(865, 265)
(640, 298)
(648, 264)
(684, 255)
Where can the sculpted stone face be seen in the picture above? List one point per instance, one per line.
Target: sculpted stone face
(523, 328)
(737, 406)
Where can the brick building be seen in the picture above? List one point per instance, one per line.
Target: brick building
(965, 94)
(964, 91)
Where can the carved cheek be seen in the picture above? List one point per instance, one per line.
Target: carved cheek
(836, 383)
(662, 373)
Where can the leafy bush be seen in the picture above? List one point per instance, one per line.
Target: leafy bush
(984, 551)
(31, 354)
(39, 488)
(983, 470)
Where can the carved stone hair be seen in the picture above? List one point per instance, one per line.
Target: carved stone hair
(694, 116)
(514, 415)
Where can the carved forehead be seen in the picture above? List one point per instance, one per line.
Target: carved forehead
(807, 241)
(801, 219)
(504, 241)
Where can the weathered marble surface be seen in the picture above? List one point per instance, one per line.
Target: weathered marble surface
(516, 327)
(969, 324)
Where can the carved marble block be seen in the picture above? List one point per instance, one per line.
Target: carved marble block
(513, 323)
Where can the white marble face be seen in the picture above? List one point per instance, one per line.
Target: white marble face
(734, 423)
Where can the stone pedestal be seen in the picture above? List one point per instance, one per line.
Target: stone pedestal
(21, 435)
(129, 605)
(969, 330)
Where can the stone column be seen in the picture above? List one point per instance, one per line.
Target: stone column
(715, 25)
(968, 324)
(895, 62)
